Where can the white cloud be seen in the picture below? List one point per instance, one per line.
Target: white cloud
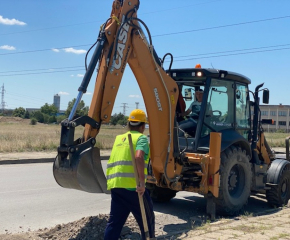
(13, 21)
(63, 93)
(75, 51)
(7, 47)
(80, 75)
(88, 93)
(55, 50)
(134, 96)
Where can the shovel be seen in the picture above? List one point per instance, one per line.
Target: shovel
(139, 196)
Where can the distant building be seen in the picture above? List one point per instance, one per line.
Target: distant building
(30, 110)
(279, 113)
(7, 112)
(60, 112)
(56, 101)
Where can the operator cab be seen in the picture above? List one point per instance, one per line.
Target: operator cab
(224, 107)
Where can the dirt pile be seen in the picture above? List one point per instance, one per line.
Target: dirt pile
(272, 224)
(84, 229)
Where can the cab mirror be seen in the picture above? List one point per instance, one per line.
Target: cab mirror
(187, 94)
(266, 94)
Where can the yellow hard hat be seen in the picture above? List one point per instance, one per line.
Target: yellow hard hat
(137, 115)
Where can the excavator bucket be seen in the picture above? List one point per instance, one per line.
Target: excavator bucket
(81, 171)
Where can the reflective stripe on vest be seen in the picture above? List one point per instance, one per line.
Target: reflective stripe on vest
(124, 162)
(120, 171)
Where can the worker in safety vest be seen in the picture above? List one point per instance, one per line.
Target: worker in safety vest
(121, 180)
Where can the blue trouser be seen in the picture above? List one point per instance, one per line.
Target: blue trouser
(189, 126)
(123, 202)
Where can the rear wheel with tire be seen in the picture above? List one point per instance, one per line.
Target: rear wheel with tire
(235, 181)
(279, 194)
(159, 194)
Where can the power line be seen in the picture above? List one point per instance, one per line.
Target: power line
(75, 24)
(161, 35)
(222, 26)
(43, 50)
(41, 69)
(197, 56)
(48, 28)
(25, 96)
(233, 54)
(238, 50)
(19, 74)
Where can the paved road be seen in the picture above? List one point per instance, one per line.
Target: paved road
(31, 199)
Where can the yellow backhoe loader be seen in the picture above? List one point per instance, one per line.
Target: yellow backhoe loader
(219, 151)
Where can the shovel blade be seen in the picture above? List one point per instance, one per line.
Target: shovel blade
(81, 171)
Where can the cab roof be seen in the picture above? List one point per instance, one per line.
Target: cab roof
(191, 73)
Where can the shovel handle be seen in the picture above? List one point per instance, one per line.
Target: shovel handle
(137, 182)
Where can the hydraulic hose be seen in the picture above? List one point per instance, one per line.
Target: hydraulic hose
(95, 58)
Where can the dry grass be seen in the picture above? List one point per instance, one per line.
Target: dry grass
(276, 139)
(22, 137)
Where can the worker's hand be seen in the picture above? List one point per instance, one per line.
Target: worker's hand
(140, 189)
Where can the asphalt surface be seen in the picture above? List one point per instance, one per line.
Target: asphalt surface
(31, 199)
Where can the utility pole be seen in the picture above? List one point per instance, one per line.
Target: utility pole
(137, 104)
(124, 108)
(3, 103)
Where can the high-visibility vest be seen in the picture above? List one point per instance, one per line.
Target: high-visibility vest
(120, 170)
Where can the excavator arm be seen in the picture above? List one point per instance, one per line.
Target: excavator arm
(121, 41)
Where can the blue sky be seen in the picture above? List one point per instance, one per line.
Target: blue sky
(43, 45)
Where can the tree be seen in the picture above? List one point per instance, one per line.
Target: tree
(118, 119)
(38, 116)
(60, 118)
(19, 112)
(52, 119)
(27, 115)
(46, 118)
(49, 109)
(81, 109)
(123, 121)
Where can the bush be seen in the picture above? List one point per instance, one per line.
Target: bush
(52, 119)
(60, 118)
(38, 116)
(33, 121)
(45, 118)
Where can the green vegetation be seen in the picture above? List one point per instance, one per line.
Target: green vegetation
(81, 109)
(276, 139)
(25, 137)
(22, 135)
(119, 119)
(19, 112)
(33, 121)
